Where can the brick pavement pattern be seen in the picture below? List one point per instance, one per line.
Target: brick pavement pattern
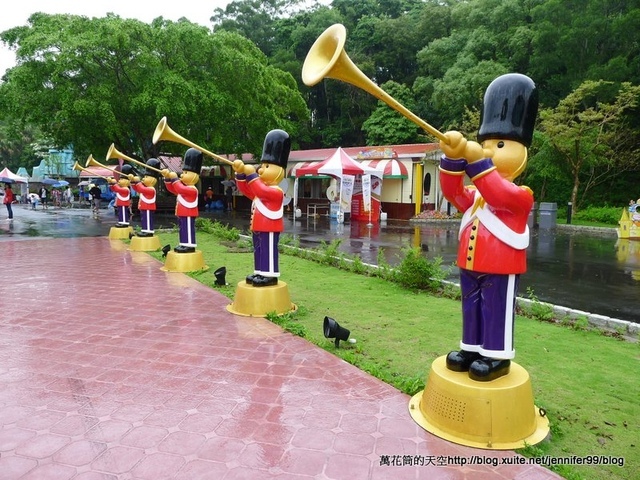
(113, 369)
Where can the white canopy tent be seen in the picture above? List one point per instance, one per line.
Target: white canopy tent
(337, 165)
(23, 181)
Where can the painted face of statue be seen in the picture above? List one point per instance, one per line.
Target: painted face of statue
(509, 157)
(189, 178)
(270, 173)
(149, 181)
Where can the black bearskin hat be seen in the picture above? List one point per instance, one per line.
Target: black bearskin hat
(277, 145)
(153, 163)
(192, 161)
(509, 109)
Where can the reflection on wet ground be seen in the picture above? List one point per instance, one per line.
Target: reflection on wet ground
(594, 273)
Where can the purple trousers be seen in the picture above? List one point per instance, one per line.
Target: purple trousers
(146, 221)
(187, 231)
(265, 253)
(488, 313)
(123, 215)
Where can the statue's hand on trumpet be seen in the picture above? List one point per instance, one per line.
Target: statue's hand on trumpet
(456, 147)
(168, 174)
(240, 167)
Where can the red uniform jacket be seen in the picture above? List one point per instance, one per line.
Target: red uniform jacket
(493, 233)
(187, 197)
(267, 213)
(123, 195)
(147, 200)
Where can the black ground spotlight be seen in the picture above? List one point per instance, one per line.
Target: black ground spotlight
(220, 275)
(333, 330)
(166, 249)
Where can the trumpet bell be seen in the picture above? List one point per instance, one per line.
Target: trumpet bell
(327, 59)
(92, 162)
(164, 132)
(113, 152)
(161, 130)
(325, 52)
(80, 168)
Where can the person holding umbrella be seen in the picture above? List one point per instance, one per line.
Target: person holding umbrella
(9, 198)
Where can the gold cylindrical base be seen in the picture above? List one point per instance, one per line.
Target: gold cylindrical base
(184, 262)
(145, 244)
(253, 301)
(495, 415)
(120, 233)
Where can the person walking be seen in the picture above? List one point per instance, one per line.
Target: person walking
(229, 196)
(55, 194)
(9, 198)
(68, 197)
(44, 197)
(96, 197)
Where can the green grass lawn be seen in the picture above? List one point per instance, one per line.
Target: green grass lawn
(587, 382)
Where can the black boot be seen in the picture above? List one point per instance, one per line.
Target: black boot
(184, 249)
(486, 369)
(260, 281)
(460, 361)
(250, 278)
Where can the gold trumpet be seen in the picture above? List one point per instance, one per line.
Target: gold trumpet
(164, 132)
(92, 162)
(115, 153)
(77, 166)
(327, 59)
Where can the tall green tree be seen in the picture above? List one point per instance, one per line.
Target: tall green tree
(90, 82)
(388, 127)
(590, 134)
(577, 40)
(254, 19)
(17, 145)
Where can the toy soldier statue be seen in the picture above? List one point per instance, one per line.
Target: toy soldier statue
(493, 233)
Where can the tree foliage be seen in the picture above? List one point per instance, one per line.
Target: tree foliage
(588, 132)
(90, 82)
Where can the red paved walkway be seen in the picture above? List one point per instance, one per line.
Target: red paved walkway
(111, 368)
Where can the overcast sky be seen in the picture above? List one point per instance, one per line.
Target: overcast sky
(18, 11)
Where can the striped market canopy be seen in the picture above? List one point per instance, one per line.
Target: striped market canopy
(392, 168)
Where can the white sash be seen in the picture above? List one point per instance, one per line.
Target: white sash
(270, 214)
(496, 227)
(184, 203)
(149, 200)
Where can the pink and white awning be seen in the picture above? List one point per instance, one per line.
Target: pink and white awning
(392, 168)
